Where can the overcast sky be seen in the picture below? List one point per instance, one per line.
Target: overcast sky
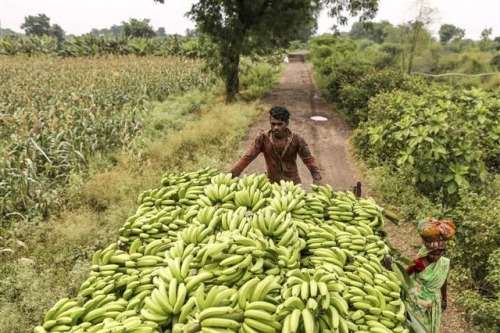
(80, 16)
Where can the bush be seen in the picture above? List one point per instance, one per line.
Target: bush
(256, 80)
(483, 313)
(446, 138)
(352, 99)
(495, 62)
(478, 235)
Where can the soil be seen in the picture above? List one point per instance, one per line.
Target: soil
(329, 144)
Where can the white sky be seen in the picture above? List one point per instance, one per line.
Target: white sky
(80, 16)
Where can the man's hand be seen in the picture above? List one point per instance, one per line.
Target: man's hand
(317, 182)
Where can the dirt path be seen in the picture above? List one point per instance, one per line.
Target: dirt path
(328, 142)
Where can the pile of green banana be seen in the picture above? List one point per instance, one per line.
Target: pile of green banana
(210, 253)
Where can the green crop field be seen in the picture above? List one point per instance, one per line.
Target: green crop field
(55, 113)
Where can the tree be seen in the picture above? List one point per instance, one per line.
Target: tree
(485, 34)
(116, 30)
(373, 31)
(161, 32)
(449, 32)
(424, 17)
(36, 25)
(136, 28)
(237, 27)
(40, 25)
(486, 43)
(57, 32)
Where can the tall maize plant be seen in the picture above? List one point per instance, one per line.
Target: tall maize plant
(56, 113)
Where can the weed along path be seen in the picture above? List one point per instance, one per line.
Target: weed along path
(328, 140)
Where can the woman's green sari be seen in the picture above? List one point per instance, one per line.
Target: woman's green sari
(425, 292)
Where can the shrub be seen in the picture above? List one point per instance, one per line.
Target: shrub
(446, 137)
(352, 99)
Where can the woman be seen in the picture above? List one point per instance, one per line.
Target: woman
(428, 278)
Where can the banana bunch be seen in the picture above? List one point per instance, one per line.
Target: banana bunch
(250, 197)
(181, 250)
(158, 197)
(300, 316)
(341, 210)
(210, 311)
(164, 301)
(264, 290)
(202, 176)
(151, 225)
(313, 303)
(236, 220)
(271, 223)
(176, 269)
(259, 316)
(333, 259)
(102, 285)
(318, 289)
(219, 193)
(244, 258)
(321, 237)
(209, 216)
(356, 240)
(188, 193)
(367, 211)
(65, 313)
(288, 202)
(316, 207)
(260, 181)
(324, 190)
(196, 234)
(224, 178)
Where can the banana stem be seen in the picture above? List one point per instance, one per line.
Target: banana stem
(193, 329)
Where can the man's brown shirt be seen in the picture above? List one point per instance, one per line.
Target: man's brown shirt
(280, 166)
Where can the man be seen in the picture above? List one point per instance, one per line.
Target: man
(280, 147)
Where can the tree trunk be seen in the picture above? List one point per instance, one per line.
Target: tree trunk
(413, 46)
(230, 70)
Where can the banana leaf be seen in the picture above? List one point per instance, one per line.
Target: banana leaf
(415, 325)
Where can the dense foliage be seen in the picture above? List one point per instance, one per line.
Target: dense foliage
(449, 139)
(94, 45)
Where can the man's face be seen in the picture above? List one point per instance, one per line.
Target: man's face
(278, 127)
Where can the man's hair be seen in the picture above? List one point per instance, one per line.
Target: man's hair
(280, 112)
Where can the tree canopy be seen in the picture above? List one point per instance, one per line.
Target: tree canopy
(39, 25)
(237, 27)
(373, 31)
(449, 32)
(138, 28)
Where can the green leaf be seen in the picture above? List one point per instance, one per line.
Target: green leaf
(452, 187)
(448, 177)
(459, 179)
(411, 159)
(402, 275)
(374, 138)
